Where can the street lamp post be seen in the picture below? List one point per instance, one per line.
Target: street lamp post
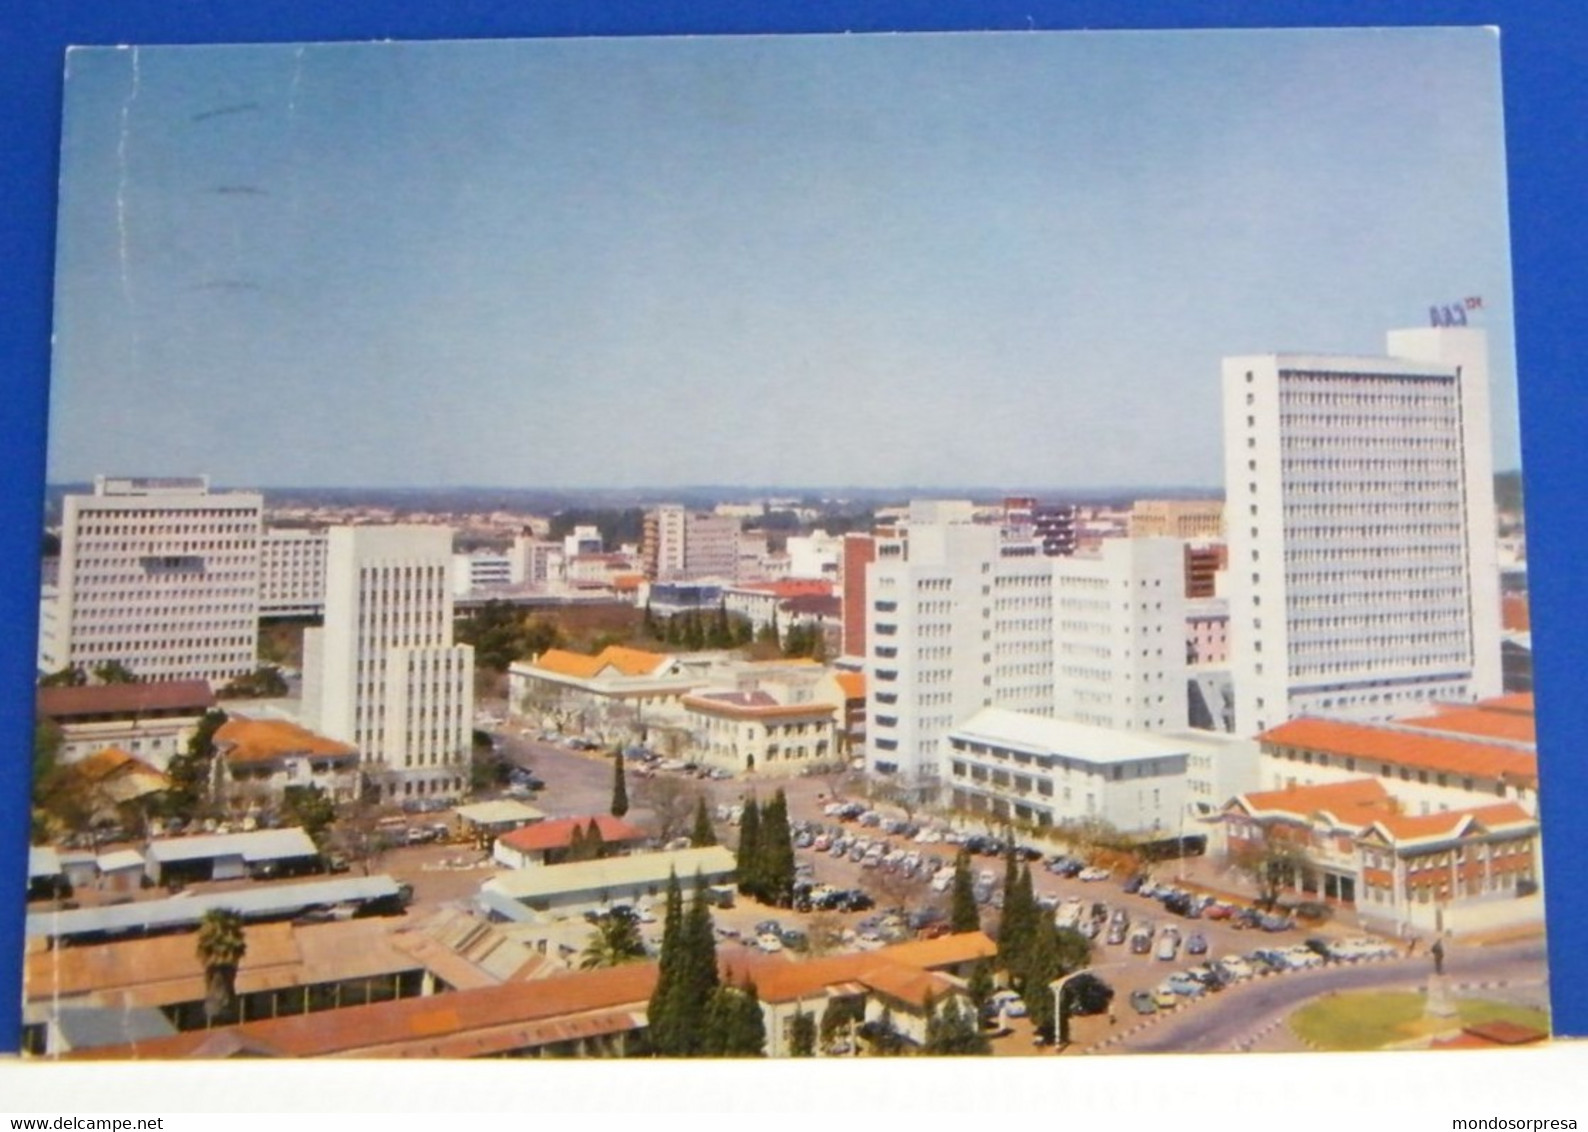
(1061, 1015)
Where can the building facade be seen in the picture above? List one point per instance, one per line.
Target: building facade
(1361, 527)
(383, 673)
(292, 572)
(161, 576)
(1047, 772)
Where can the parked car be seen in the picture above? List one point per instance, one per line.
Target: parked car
(1196, 944)
(1093, 873)
(1168, 946)
(1142, 1002)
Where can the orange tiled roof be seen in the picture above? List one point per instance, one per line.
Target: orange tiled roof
(1519, 702)
(494, 1017)
(558, 834)
(1356, 803)
(111, 762)
(1420, 827)
(629, 662)
(1511, 726)
(853, 684)
(261, 740)
(753, 705)
(1406, 748)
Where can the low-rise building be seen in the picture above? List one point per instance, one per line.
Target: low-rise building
(571, 888)
(618, 685)
(551, 842)
(1459, 757)
(150, 721)
(753, 730)
(1051, 772)
(230, 856)
(260, 758)
(1352, 843)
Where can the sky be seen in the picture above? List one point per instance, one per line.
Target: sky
(989, 259)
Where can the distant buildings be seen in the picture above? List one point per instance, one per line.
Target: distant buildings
(1360, 516)
(1190, 519)
(383, 673)
(161, 576)
(680, 545)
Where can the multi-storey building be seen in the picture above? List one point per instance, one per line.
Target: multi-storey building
(1360, 518)
(860, 551)
(1050, 772)
(481, 570)
(1189, 519)
(292, 572)
(158, 575)
(383, 673)
(1118, 633)
(681, 545)
(962, 620)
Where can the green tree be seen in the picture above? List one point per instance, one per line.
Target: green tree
(802, 1035)
(114, 672)
(734, 1026)
(951, 1032)
(980, 985)
(664, 1018)
(311, 808)
(748, 860)
(68, 677)
(221, 947)
(1021, 916)
(614, 940)
(776, 872)
(963, 915)
(687, 978)
(886, 1041)
(191, 773)
(1041, 966)
(702, 834)
(620, 786)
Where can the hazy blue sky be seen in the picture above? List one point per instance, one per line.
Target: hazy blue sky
(1006, 259)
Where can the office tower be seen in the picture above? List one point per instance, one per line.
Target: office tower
(292, 572)
(679, 545)
(160, 576)
(1360, 517)
(383, 673)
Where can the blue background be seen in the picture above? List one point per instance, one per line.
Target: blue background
(1544, 48)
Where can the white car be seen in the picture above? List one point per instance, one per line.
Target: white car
(1093, 873)
(768, 942)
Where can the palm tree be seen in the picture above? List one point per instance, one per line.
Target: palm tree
(221, 947)
(615, 941)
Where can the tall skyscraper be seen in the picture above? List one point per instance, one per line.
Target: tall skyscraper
(161, 576)
(383, 673)
(1359, 510)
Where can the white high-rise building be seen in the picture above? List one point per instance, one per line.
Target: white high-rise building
(1360, 517)
(383, 673)
(1119, 632)
(292, 572)
(958, 620)
(161, 576)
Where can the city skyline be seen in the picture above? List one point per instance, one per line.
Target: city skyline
(815, 260)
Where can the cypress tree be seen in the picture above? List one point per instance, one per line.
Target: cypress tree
(664, 1017)
(576, 847)
(776, 873)
(749, 858)
(698, 974)
(595, 845)
(802, 1035)
(1041, 967)
(1018, 921)
(963, 915)
(620, 786)
(980, 985)
(703, 834)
